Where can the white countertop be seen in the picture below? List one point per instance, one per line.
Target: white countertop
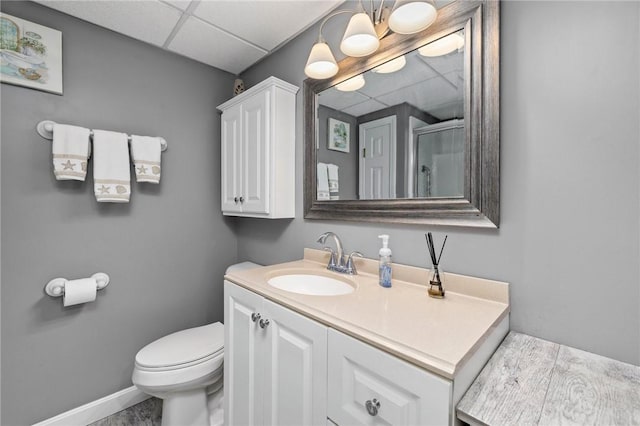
(436, 334)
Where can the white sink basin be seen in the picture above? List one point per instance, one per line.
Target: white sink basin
(312, 285)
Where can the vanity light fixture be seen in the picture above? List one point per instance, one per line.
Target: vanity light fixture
(321, 63)
(410, 16)
(443, 45)
(364, 31)
(392, 66)
(354, 83)
(360, 38)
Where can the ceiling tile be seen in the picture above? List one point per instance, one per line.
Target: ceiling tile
(333, 98)
(200, 41)
(149, 21)
(180, 4)
(249, 19)
(366, 107)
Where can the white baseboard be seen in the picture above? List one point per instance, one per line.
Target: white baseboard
(97, 409)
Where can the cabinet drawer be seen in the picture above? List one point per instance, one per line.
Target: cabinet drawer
(407, 395)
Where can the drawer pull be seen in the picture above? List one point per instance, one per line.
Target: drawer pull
(372, 406)
(264, 323)
(255, 316)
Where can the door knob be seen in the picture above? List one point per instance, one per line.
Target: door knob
(255, 316)
(264, 323)
(235, 200)
(372, 406)
(242, 199)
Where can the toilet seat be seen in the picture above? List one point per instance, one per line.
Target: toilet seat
(186, 359)
(182, 348)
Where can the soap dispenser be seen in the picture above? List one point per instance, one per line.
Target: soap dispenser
(385, 262)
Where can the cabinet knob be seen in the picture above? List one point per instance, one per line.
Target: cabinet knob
(264, 323)
(235, 200)
(242, 199)
(372, 406)
(255, 316)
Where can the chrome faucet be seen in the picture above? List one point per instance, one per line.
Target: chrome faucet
(337, 261)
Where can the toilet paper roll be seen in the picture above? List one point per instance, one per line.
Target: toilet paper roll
(79, 291)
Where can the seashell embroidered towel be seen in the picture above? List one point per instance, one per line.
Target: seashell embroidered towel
(70, 149)
(111, 178)
(146, 153)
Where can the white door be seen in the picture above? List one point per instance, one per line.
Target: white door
(231, 154)
(296, 369)
(255, 173)
(378, 159)
(243, 364)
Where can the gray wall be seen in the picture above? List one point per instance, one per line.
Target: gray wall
(569, 233)
(166, 251)
(347, 162)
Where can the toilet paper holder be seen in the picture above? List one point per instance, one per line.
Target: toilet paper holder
(55, 287)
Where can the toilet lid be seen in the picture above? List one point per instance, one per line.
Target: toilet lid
(183, 347)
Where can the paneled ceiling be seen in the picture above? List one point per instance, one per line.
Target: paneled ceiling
(229, 35)
(432, 84)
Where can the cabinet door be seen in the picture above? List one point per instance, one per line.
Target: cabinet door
(296, 369)
(231, 155)
(256, 173)
(243, 378)
(359, 373)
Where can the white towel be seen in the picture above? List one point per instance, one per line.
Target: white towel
(334, 186)
(323, 182)
(146, 153)
(111, 178)
(70, 149)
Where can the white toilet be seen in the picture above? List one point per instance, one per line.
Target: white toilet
(182, 369)
(185, 370)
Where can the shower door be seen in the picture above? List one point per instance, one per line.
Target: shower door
(440, 160)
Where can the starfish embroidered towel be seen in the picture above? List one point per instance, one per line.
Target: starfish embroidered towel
(323, 182)
(70, 149)
(146, 153)
(334, 184)
(111, 178)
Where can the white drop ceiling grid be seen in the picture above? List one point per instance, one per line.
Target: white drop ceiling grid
(434, 85)
(229, 35)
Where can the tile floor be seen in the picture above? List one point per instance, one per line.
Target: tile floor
(146, 413)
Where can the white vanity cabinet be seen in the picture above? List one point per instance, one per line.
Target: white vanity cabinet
(258, 151)
(370, 387)
(275, 363)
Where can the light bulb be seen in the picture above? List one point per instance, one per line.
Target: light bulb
(391, 66)
(442, 46)
(321, 63)
(360, 38)
(352, 84)
(410, 17)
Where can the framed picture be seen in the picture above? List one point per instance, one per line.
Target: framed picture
(30, 54)
(339, 135)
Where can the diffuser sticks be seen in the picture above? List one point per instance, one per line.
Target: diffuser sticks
(435, 283)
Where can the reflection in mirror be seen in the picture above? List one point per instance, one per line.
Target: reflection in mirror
(397, 130)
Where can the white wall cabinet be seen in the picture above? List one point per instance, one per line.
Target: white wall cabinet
(258, 151)
(275, 363)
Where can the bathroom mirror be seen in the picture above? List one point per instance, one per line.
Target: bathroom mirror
(410, 134)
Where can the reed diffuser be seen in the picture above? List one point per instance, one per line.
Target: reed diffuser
(436, 277)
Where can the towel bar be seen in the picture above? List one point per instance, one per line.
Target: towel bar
(45, 129)
(55, 287)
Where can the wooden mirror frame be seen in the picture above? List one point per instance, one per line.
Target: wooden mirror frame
(480, 205)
